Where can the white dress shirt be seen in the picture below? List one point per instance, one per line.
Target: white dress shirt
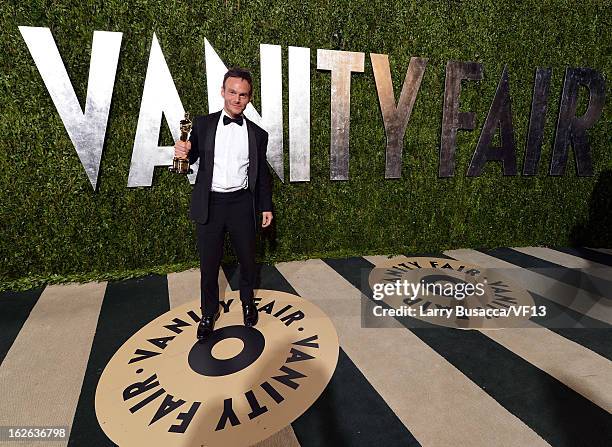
(231, 156)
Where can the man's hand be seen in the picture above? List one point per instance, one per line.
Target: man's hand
(182, 148)
(266, 219)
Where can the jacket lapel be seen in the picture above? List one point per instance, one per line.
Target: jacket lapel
(209, 145)
(252, 171)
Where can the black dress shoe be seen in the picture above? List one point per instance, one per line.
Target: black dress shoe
(250, 314)
(206, 326)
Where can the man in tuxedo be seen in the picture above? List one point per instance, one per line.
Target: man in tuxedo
(232, 184)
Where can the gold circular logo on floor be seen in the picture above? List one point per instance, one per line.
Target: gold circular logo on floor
(448, 293)
(163, 388)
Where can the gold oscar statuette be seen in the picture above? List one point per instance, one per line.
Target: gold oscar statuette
(181, 165)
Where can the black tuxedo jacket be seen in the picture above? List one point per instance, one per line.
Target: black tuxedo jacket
(202, 140)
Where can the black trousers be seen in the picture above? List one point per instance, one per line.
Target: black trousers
(231, 212)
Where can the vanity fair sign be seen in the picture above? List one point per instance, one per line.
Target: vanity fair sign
(87, 129)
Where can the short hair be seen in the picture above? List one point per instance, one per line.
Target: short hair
(237, 72)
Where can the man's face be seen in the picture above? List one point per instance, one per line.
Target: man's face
(236, 95)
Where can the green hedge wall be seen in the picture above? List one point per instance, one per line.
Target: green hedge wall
(55, 226)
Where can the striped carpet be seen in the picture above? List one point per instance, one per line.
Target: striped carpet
(536, 386)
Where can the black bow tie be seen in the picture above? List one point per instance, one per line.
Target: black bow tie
(227, 120)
